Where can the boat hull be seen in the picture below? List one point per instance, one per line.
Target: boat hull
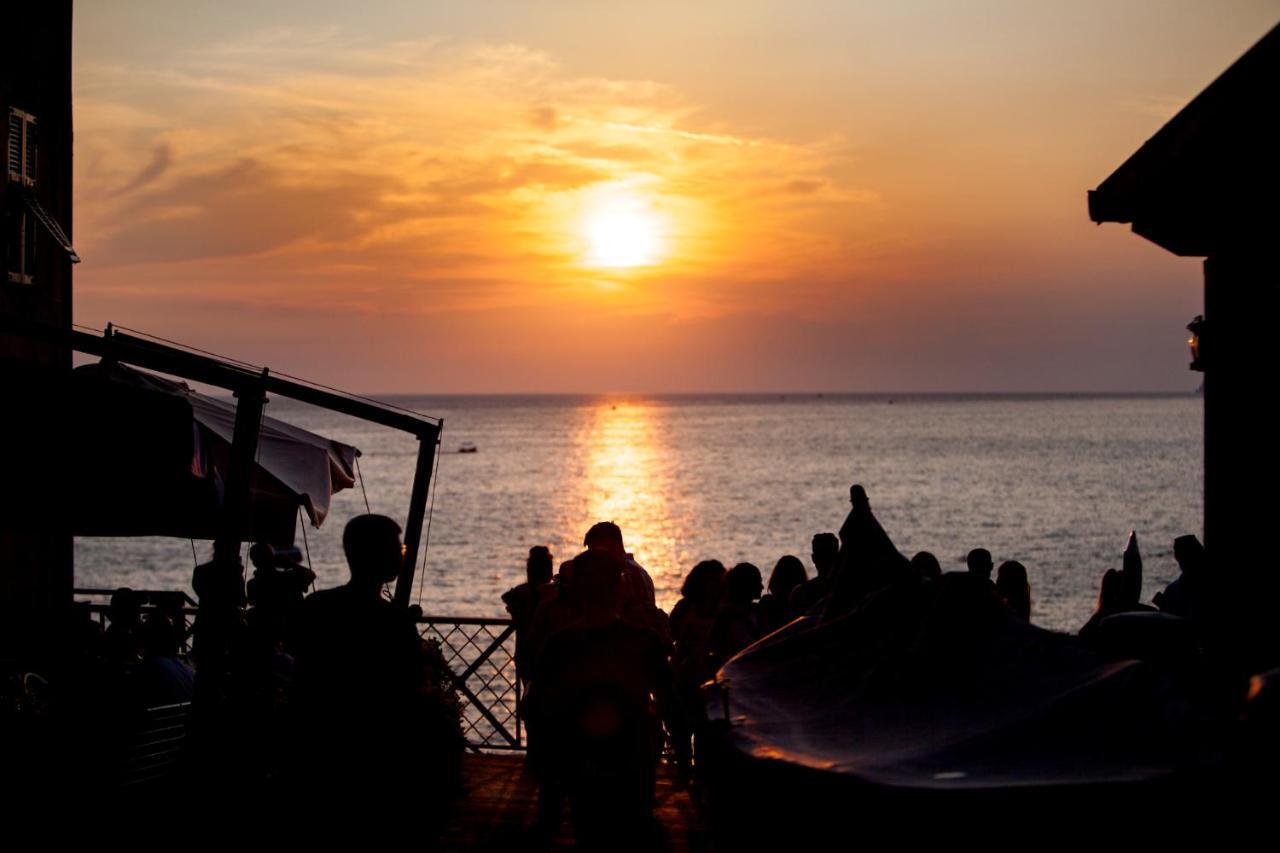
(934, 698)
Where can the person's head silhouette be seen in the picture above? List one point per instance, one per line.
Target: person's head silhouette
(1189, 554)
(979, 562)
(374, 552)
(704, 584)
(604, 536)
(788, 573)
(125, 609)
(826, 551)
(926, 566)
(1014, 589)
(538, 566)
(160, 638)
(1112, 593)
(742, 584)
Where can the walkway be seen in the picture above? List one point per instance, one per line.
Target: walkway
(499, 806)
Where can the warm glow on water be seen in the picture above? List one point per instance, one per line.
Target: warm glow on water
(1053, 482)
(627, 480)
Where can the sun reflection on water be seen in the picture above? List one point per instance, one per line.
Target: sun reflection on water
(628, 478)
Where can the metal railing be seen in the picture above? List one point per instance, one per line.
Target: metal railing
(170, 602)
(481, 653)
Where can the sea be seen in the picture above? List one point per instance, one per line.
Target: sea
(1053, 481)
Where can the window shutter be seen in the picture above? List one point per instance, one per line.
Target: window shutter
(15, 145)
(29, 151)
(22, 148)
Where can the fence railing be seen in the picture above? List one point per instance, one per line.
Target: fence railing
(174, 603)
(482, 655)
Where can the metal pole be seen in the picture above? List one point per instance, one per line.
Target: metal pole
(427, 442)
(220, 586)
(221, 590)
(251, 399)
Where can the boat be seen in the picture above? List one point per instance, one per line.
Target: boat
(903, 697)
(466, 447)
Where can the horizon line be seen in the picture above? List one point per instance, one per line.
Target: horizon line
(805, 394)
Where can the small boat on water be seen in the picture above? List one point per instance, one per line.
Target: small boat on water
(466, 447)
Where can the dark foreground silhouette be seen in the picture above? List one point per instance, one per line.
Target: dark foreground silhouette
(920, 688)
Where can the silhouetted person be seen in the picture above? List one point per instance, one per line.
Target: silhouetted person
(263, 654)
(926, 566)
(553, 610)
(122, 640)
(219, 586)
(162, 678)
(1014, 589)
(694, 614)
(869, 562)
(522, 600)
(1115, 595)
(276, 590)
(1187, 594)
(358, 671)
(979, 563)
(788, 573)
(171, 603)
(592, 698)
(635, 584)
(262, 661)
(735, 626)
(825, 556)
(691, 622)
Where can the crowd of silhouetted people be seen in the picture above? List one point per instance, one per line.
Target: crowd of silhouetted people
(594, 624)
(141, 656)
(289, 689)
(338, 684)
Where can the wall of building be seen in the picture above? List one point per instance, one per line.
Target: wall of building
(36, 569)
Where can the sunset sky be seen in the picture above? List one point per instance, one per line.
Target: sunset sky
(645, 197)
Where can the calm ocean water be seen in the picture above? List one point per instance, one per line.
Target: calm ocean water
(1053, 481)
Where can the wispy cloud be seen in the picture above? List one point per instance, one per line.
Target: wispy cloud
(161, 160)
(425, 176)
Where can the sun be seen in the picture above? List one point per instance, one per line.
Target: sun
(621, 230)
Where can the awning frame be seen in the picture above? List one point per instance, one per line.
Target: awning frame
(250, 386)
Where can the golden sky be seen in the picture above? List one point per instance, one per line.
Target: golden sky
(497, 197)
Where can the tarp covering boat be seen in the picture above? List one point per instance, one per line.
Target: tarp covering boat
(936, 685)
(150, 456)
(935, 688)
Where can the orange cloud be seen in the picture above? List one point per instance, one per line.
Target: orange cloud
(429, 176)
